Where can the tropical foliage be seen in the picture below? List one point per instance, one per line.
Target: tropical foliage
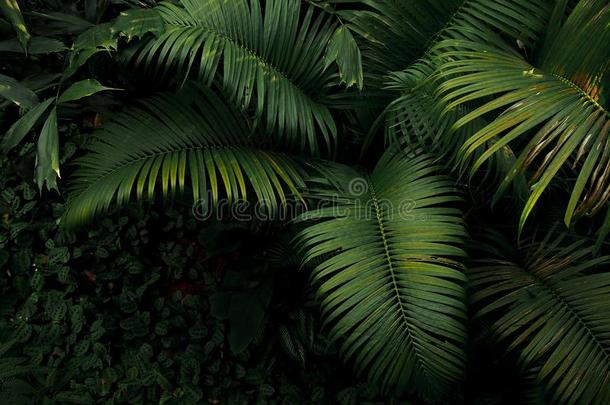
(438, 169)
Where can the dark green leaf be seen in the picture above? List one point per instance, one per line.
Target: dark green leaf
(36, 46)
(81, 89)
(24, 124)
(136, 23)
(47, 153)
(10, 8)
(14, 91)
(344, 50)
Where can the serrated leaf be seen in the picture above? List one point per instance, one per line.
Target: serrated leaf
(73, 397)
(81, 347)
(23, 332)
(128, 302)
(136, 23)
(97, 330)
(347, 396)
(266, 390)
(198, 331)
(146, 350)
(100, 35)
(37, 281)
(162, 380)
(58, 311)
(161, 328)
(58, 256)
(292, 345)
(63, 275)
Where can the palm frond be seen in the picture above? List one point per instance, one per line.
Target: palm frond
(586, 66)
(413, 119)
(550, 305)
(395, 33)
(169, 139)
(271, 57)
(571, 124)
(560, 101)
(390, 288)
(415, 27)
(344, 50)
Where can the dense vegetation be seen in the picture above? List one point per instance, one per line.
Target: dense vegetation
(316, 201)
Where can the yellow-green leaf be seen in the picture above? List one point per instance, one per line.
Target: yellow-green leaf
(10, 8)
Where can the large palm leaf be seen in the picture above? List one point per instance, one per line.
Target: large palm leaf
(394, 33)
(397, 33)
(521, 21)
(551, 304)
(167, 141)
(559, 102)
(413, 117)
(390, 288)
(272, 57)
(412, 120)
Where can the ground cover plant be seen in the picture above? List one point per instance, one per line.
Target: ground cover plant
(305, 201)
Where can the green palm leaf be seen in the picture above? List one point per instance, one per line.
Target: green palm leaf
(399, 35)
(394, 33)
(571, 127)
(389, 286)
(271, 57)
(551, 305)
(170, 139)
(413, 119)
(344, 50)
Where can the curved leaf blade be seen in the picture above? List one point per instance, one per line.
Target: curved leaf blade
(47, 153)
(390, 288)
(11, 9)
(81, 89)
(23, 125)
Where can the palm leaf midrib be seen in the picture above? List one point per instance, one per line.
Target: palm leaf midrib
(429, 45)
(405, 319)
(121, 166)
(582, 91)
(548, 286)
